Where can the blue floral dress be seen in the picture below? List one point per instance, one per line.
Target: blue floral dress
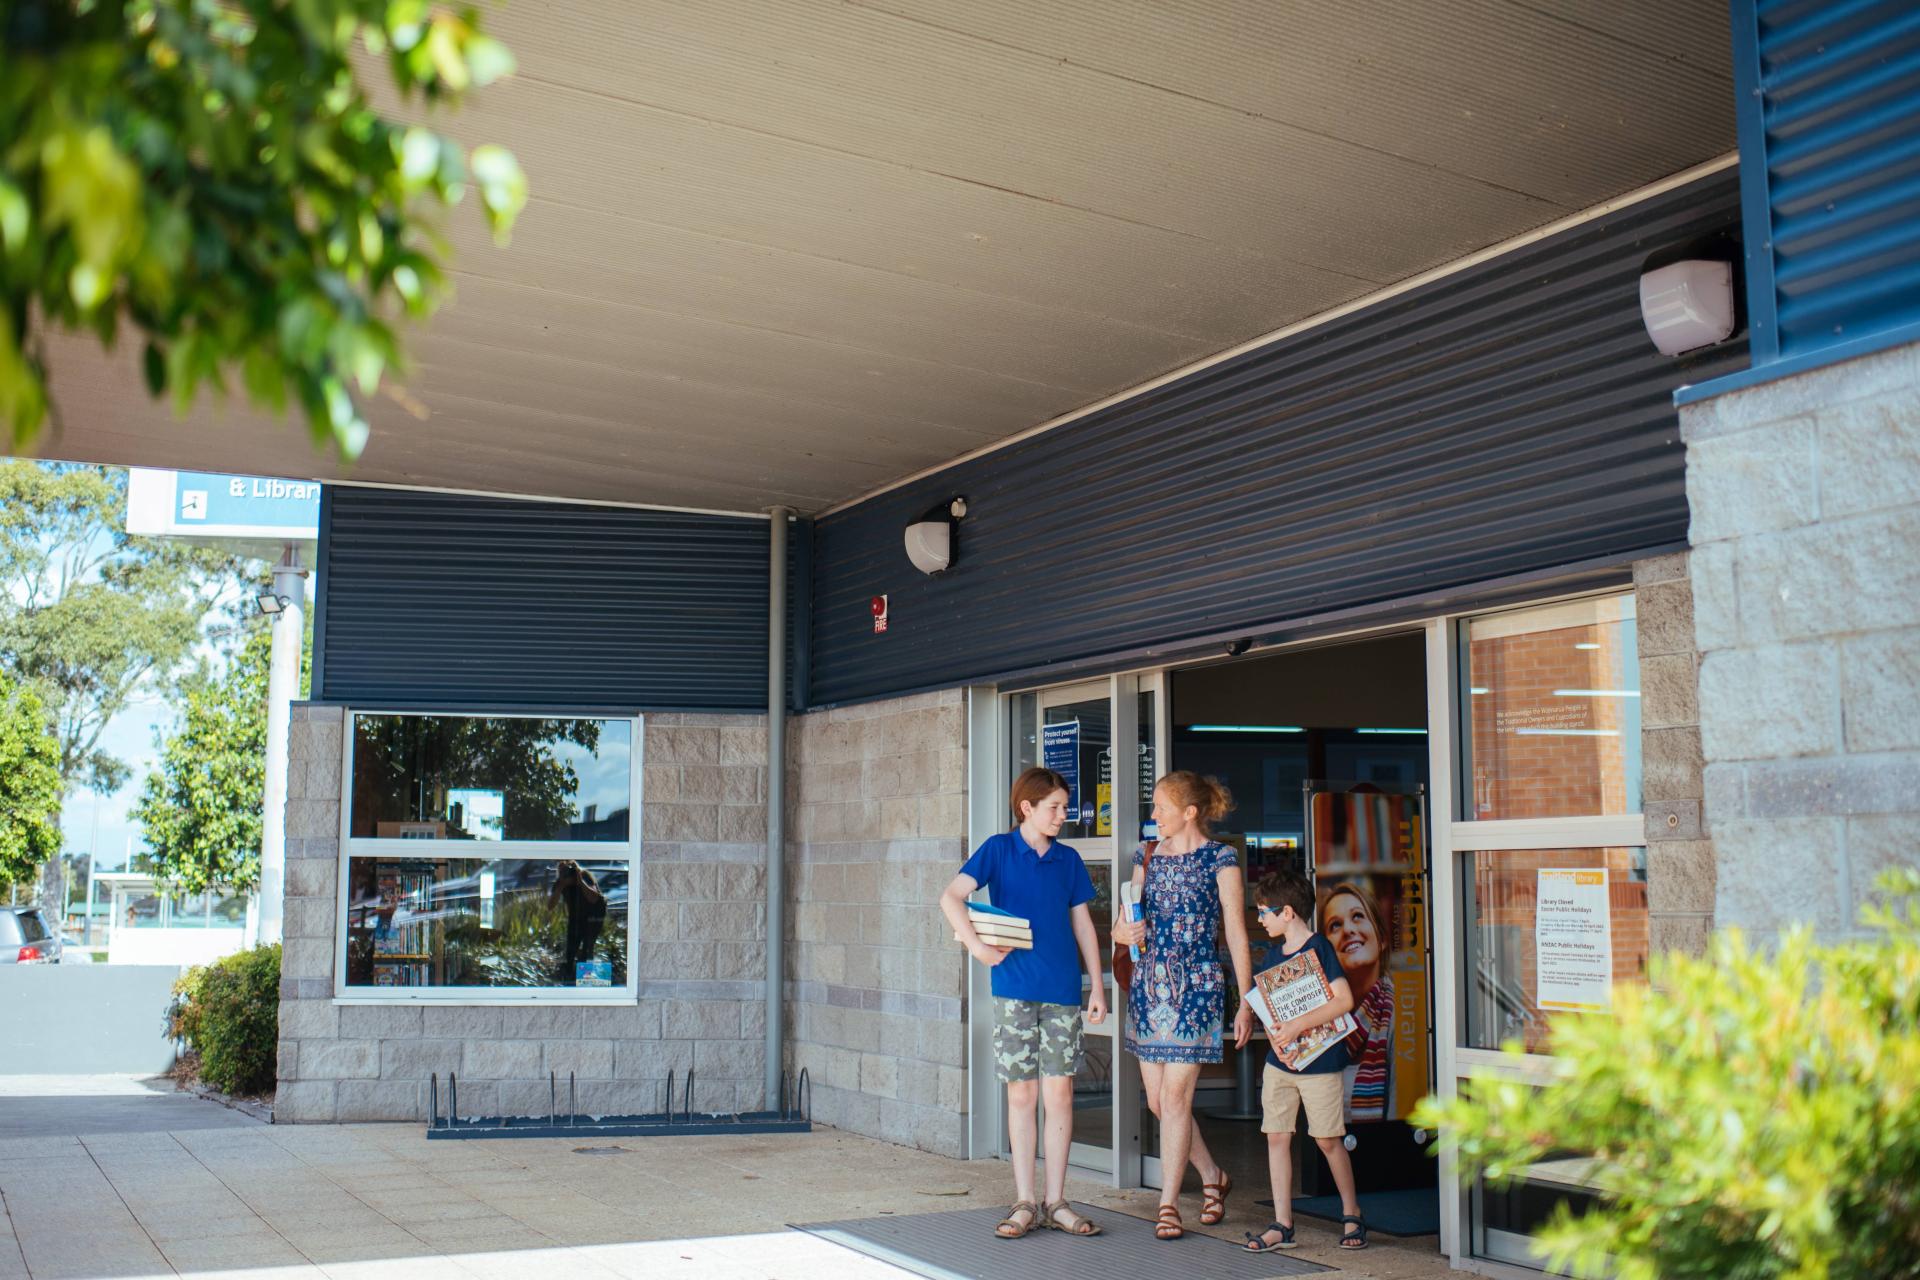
(1177, 1001)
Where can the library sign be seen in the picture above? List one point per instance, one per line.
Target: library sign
(216, 507)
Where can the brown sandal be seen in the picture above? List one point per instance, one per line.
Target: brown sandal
(1011, 1228)
(1213, 1200)
(1081, 1225)
(1169, 1226)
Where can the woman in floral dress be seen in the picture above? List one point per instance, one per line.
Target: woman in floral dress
(1189, 883)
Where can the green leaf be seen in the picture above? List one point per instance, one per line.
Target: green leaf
(154, 365)
(488, 60)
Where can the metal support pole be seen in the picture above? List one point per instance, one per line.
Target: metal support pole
(283, 683)
(776, 795)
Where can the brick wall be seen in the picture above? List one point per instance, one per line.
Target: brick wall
(1680, 863)
(1805, 576)
(877, 829)
(701, 969)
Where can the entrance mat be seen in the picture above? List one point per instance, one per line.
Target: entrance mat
(961, 1246)
(1392, 1213)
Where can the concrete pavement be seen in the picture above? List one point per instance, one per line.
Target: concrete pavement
(66, 1105)
(373, 1202)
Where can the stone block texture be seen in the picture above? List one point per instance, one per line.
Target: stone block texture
(876, 996)
(1805, 576)
(1680, 866)
(702, 922)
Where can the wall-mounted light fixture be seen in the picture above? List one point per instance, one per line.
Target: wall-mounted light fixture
(931, 543)
(1688, 304)
(271, 602)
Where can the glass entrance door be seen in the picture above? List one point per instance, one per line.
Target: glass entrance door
(1074, 729)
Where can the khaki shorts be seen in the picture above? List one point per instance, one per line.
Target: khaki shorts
(1324, 1094)
(1031, 1039)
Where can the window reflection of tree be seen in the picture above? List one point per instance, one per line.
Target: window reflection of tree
(404, 766)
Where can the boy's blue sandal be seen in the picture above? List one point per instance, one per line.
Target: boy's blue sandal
(1260, 1243)
(1357, 1238)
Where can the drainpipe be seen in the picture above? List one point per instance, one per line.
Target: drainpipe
(776, 794)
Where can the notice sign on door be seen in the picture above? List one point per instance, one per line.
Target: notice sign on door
(1060, 750)
(1573, 942)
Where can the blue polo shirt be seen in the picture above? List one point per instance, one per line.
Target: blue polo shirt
(1045, 889)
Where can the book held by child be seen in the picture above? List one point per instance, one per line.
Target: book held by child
(1292, 989)
(999, 928)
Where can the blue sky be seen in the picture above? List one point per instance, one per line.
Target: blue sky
(102, 823)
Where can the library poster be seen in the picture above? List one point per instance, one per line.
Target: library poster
(1573, 941)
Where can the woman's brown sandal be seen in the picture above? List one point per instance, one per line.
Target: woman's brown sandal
(1213, 1200)
(1077, 1224)
(1011, 1228)
(1169, 1226)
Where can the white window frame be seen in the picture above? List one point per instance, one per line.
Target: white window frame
(1452, 836)
(533, 850)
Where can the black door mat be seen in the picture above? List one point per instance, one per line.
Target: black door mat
(961, 1246)
(1391, 1213)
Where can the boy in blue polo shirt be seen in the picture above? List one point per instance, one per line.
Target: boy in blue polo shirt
(1036, 993)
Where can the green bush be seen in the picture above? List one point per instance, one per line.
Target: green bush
(228, 1012)
(1751, 1113)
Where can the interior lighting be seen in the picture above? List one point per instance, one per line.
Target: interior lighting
(1420, 731)
(1586, 644)
(1244, 728)
(1596, 693)
(1568, 733)
(1479, 689)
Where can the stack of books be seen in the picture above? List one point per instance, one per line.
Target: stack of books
(999, 928)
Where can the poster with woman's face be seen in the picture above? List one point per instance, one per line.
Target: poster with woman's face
(1368, 853)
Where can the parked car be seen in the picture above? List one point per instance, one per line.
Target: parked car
(25, 937)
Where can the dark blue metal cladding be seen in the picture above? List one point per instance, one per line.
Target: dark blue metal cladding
(1507, 419)
(1829, 120)
(437, 601)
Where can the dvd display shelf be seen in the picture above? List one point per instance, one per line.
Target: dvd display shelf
(396, 929)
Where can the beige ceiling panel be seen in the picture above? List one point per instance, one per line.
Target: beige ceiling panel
(875, 85)
(468, 440)
(597, 255)
(1564, 105)
(647, 411)
(492, 314)
(738, 184)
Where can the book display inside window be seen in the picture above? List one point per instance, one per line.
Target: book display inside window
(393, 927)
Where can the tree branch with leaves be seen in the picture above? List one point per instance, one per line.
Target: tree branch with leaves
(211, 174)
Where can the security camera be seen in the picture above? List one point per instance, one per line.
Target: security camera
(1237, 647)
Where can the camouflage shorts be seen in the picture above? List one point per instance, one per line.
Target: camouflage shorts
(1031, 1039)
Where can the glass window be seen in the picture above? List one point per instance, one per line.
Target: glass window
(441, 921)
(1548, 932)
(229, 911)
(142, 911)
(187, 911)
(1552, 712)
(1075, 741)
(496, 779)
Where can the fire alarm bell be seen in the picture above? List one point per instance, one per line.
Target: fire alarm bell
(879, 614)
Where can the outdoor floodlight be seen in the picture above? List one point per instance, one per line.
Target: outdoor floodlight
(930, 538)
(1688, 304)
(271, 603)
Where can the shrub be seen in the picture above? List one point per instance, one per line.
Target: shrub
(1752, 1113)
(228, 1012)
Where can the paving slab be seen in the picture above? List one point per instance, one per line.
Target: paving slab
(117, 1106)
(380, 1202)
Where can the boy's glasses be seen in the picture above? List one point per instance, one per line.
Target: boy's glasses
(1263, 911)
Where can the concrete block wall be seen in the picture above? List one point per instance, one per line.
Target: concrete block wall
(876, 998)
(1805, 573)
(701, 916)
(1681, 873)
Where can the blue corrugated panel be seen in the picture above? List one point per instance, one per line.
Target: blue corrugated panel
(1508, 419)
(1830, 131)
(436, 601)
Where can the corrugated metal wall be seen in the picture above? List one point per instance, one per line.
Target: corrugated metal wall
(1503, 420)
(436, 601)
(1829, 103)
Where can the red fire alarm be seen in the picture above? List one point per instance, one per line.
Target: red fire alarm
(879, 614)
